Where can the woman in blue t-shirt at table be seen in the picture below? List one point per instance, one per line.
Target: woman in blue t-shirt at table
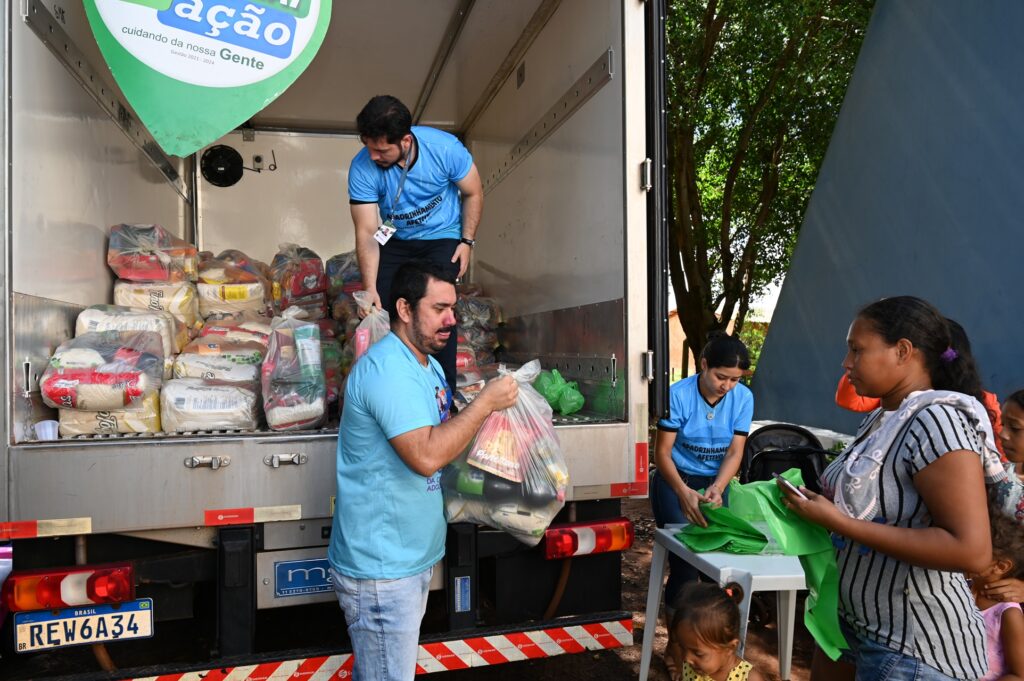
(698, 450)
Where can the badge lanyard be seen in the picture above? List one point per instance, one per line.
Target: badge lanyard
(401, 184)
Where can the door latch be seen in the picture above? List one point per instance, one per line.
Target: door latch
(277, 460)
(214, 462)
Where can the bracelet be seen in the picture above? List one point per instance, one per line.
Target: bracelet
(469, 242)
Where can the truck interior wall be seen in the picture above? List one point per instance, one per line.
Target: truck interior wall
(304, 201)
(919, 194)
(560, 211)
(73, 174)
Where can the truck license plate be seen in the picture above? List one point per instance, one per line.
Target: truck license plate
(83, 625)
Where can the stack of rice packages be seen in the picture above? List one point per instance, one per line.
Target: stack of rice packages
(108, 378)
(217, 375)
(479, 318)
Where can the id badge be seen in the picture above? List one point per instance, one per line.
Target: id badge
(385, 232)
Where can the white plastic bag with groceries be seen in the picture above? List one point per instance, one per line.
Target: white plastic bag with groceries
(294, 391)
(513, 475)
(375, 325)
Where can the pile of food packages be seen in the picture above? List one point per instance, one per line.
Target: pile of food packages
(198, 342)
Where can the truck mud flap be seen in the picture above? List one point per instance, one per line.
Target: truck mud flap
(439, 653)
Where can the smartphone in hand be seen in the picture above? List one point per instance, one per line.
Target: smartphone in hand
(790, 486)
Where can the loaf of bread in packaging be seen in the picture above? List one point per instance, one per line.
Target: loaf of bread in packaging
(118, 318)
(145, 419)
(100, 370)
(177, 298)
(192, 404)
(220, 359)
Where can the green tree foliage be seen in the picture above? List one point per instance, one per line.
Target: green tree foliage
(754, 90)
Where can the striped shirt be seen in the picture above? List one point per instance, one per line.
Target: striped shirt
(923, 613)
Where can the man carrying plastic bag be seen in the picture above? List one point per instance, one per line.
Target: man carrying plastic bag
(513, 476)
(396, 434)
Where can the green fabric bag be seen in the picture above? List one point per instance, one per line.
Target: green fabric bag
(732, 529)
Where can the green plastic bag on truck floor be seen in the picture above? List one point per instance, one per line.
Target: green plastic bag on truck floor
(550, 384)
(735, 529)
(562, 395)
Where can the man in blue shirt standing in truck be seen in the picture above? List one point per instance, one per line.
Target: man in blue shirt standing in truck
(415, 193)
(396, 434)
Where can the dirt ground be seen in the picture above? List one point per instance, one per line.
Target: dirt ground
(624, 663)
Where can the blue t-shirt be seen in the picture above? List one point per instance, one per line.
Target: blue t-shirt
(388, 520)
(430, 207)
(702, 442)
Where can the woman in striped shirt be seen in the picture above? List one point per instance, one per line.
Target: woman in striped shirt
(906, 503)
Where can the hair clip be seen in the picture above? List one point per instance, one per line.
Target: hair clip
(728, 591)
(948, 355)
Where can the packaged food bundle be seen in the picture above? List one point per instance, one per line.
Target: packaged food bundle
(298, 273)
(173, 333)
(193, 404)
(465, 355)
(294, 391)
(513, 476)
(150, 253)
(344, 308)
(144, 419)
(343, 275)
(477, 312)
(221, 359)
(314, 305)
(224, 289)
(177, 298)
(97, 371)
(375, 325)
(258, 268)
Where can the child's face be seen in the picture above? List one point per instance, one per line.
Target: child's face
(1012, 434)
(704, 657)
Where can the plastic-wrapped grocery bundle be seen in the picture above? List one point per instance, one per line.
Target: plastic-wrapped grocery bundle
(150, 253)
(224, 289)
(177, 298)
(299, 279)
(221, 359)
(562, 395)
(479, 318)
(258, 268)
(294, 391)
(343, 274)
(173, 333)
(193, 404)
(144, 419)
(97, 371)
(513, 475)
(375, 325)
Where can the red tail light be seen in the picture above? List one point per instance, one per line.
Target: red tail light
(580, 539)
(49, 589)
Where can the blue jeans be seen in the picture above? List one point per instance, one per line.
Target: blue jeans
(665, 505)
(383, 618)
(875, 662)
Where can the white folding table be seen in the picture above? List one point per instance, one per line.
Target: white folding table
(783, 574)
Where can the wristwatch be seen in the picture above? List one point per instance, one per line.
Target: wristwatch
(469, 242)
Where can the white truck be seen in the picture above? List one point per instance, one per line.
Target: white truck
(220, 538)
